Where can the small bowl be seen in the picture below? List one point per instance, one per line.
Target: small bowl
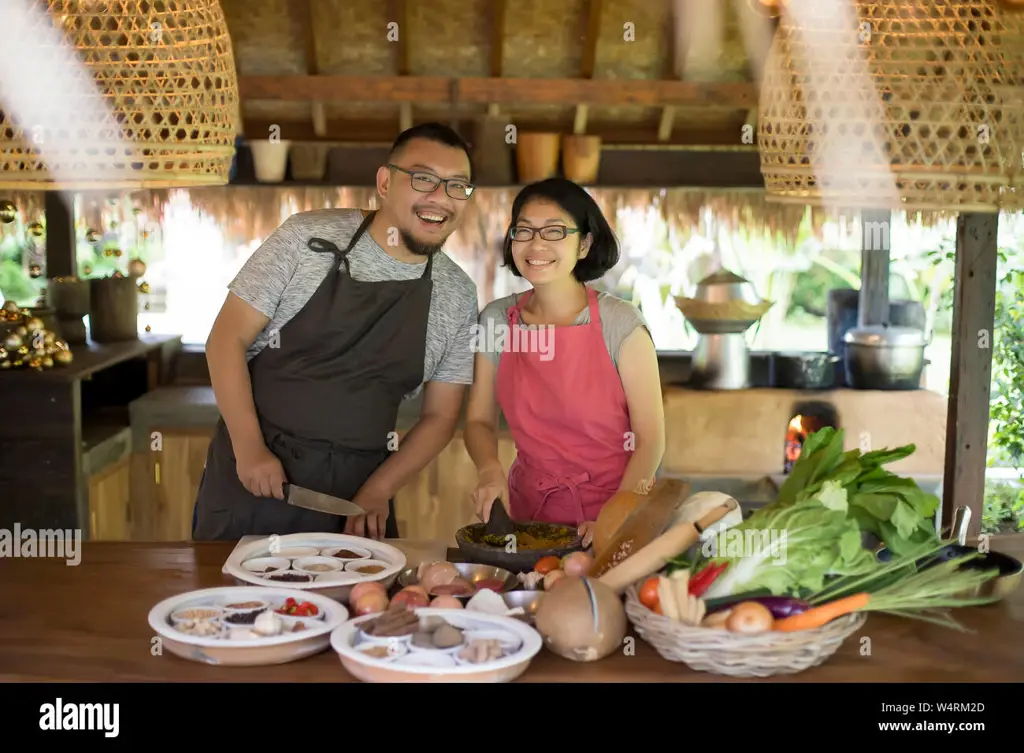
(383, 651)
(509, 641)
(293, 552)
(528, 600)
(358, 553)
(339, 577)
(238, 612)
(317, 565)
(218, 629)
(353, 567)
(289, 576)
(382, 640)
(290, 622)
(413, 648)
(264, 565)
(423, 659)
(186, 614)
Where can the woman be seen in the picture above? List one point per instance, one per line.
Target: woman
(578, 382)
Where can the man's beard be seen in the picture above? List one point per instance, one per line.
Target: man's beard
(416, 247)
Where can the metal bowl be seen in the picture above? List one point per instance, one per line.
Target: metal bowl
(518, 561)
(528, 600)
(469, 571)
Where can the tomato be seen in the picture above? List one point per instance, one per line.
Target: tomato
(649, 594)
(546, 564)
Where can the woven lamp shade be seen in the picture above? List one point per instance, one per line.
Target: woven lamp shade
(893, 104)
(148, 97)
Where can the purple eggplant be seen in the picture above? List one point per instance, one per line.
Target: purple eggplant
(779, 606)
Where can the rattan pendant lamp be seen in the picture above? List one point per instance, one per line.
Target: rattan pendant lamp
(894, 104)
(116, 94)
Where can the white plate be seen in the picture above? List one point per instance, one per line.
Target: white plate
(277, 649)
(506, 669)
(267, 547)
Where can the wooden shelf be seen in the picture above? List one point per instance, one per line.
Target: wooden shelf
(90, 358)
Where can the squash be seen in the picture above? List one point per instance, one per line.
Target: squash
(582, 620)
(612, 516)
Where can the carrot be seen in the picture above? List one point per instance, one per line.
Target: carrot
(815, 618)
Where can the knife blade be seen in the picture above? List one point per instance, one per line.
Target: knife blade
(308, 499)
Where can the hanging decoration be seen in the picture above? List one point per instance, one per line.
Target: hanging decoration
(27, 343)
(126, 94)
(891, 104)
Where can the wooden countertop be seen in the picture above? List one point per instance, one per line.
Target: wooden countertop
(61, 623)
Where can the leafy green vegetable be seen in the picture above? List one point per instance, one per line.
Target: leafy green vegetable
(792, 549)
(894, 509)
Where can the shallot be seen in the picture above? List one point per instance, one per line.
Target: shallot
(370, 602)
(577, 564)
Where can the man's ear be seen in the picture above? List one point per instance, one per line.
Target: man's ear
(383, 180)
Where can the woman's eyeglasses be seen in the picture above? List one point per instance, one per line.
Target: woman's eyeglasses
(549, 233)
(428, 182)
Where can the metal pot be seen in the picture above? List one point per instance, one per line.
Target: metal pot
(804, 371)
(725, 287)
(883, 357)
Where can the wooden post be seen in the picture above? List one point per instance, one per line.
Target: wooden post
(873, 307)
(61, 242)
(970, 372)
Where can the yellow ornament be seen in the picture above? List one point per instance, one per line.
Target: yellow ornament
(93, 236)
(148, 328)
(87, 269)
(136, 267)
(47, 362)
(143, 287)
(35, 324)
(12, 342)
(8, 212)
(5, 364)
(3, 354)
(63, 357)
(35, 271)
(36, 229)
(49, 339)
(11, 309)
(21, 331)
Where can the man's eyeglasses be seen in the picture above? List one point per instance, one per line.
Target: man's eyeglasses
(428, 183)
(549, 233)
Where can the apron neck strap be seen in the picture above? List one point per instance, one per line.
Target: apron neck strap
(321, 246)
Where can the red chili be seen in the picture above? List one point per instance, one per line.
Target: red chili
(702, 581)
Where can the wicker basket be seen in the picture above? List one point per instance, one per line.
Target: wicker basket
(733, 311)
(725, 653)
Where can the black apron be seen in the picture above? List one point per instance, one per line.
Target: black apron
(327, 400)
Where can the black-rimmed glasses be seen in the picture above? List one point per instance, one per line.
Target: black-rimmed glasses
(428, 182)
(549, 233)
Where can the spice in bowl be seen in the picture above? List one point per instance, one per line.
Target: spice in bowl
(265, 565)
(366, 567)
(317, 565)
(347, 553)
(200, 628)
(289, 576)
(244, 611)
(190, 614)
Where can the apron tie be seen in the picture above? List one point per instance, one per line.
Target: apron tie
(548, 484)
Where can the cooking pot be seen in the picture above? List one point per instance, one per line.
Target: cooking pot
(884, 357)
(803, 371)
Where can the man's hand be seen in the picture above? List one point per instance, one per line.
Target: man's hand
(261, 472)
(372, 525)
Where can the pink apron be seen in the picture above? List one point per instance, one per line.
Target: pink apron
(567, 412)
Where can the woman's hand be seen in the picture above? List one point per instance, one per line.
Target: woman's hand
(586, 530)
(491, 485)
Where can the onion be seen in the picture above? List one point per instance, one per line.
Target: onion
(577, 564)
(359, 589)
(446, 602)
(438, 574)
(750, 617)
(370, 602)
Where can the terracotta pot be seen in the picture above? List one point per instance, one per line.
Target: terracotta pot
(581, 158)
(537, 156)
(309, 161)
(270, 159)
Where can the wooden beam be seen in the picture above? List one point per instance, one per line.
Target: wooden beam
(302, 16)
(400, 12)
(497, 48)
(970, 369)
(588, 61)
(672, 70)
(61, 242)
(385, 131)
(507, 91)
(873, 307)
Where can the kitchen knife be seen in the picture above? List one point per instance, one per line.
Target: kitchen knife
(308, 499)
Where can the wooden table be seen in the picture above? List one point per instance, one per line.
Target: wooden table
(88, 623)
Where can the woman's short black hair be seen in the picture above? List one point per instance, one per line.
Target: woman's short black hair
(580, 205)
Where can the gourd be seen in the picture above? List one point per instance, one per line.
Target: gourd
(582, 620)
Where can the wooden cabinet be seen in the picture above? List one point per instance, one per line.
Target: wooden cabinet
(165, 481)
(109, 495)
(437, 503)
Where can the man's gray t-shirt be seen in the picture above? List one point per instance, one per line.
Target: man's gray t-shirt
(283, 273)
(619, 319)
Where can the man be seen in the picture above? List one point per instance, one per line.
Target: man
(332, 321)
